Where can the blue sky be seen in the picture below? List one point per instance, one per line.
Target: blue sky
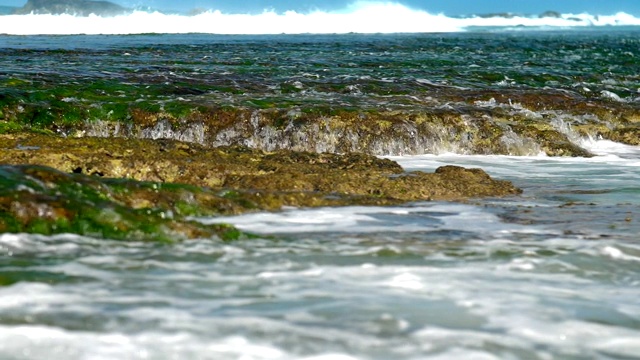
(448, 7)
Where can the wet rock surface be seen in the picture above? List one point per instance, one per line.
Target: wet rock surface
(512, 123)
(387, 95)
(255, 123)
(144, 189)
(37, 199)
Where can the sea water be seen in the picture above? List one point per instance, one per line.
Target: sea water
(552, 273)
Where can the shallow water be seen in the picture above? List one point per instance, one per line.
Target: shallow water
(550, 274)
(390, 71)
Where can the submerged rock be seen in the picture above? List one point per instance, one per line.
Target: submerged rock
(143, 189)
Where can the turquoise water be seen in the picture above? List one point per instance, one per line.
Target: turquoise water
(553, 273)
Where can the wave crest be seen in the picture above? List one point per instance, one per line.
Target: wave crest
(360, 17)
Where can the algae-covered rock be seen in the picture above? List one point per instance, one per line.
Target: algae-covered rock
(628, 135)
(461, 121)
(470, 121)
(144, 189)
(234, 167)
(425, 100)
(37, 199)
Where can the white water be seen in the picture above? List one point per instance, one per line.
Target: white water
(360, 17)
(551, 274)
(615, 166)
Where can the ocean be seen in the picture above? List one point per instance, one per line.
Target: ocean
(552, 273)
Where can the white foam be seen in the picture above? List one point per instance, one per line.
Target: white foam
(571, 336)
(563, 21)
(616, 253)
(358, 17)
(611, 148)
(30, 243)
(612, 96)
(42, 342)
(458, 217)
(610, 156)
(369, 18)
(330, 357)
(326, 305)
(406, 281)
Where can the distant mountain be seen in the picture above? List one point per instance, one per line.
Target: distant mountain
(72, 7)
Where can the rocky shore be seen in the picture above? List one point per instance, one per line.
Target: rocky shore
(468, 121)
(156, 133)
(150, 190)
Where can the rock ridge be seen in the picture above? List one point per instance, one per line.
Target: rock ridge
(150, 190)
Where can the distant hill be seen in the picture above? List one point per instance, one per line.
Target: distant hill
(72, 7)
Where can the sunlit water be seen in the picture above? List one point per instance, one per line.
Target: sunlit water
(554, 273)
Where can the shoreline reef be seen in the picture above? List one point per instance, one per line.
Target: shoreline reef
(465, 121)
(136, 142)
(133, 189)
(91, 161)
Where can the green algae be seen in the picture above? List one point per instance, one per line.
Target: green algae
(151, 190)
(10, 127)
(74, 114)
(364, 114)
(41, 200)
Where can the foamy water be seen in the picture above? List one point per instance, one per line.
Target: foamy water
(549, 274)
(359, 17)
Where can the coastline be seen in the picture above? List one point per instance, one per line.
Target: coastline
(254, 131)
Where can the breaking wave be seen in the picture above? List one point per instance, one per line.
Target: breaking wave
(361, 17)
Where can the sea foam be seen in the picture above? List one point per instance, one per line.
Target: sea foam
(359, 17)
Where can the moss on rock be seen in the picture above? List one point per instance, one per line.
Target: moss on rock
(143, 189)
(38, 199)
(461, 120)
